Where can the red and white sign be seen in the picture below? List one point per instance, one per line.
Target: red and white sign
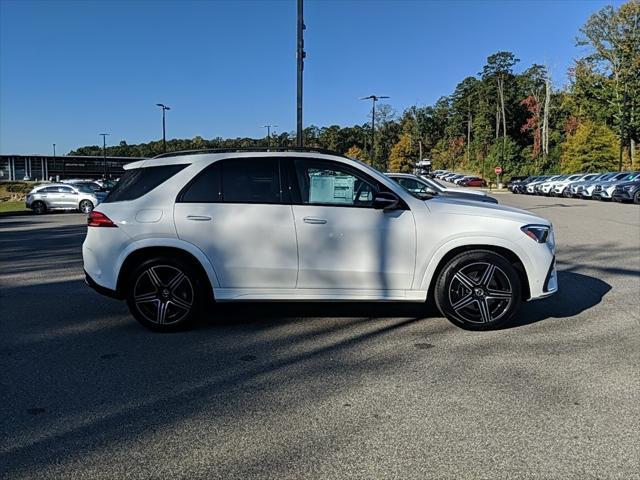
(498, 170)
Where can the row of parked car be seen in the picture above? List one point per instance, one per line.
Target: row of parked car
(73, 194)
(459, 178)
(617, 186)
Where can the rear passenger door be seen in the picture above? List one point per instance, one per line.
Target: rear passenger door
(237, 212)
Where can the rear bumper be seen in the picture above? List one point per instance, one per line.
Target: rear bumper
(107, 292)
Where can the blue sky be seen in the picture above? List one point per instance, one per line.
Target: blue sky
(70, 70)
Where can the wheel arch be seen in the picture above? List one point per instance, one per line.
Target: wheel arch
(133, 257)
(506, 252)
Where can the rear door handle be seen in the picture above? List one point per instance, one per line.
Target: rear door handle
(314, 221)
(198, 218)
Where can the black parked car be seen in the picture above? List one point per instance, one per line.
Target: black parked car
(515, 180)
(627, 192)
(521, 185)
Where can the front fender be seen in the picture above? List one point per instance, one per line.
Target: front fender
(478, 241)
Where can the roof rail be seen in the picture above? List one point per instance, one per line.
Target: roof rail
(250, 149)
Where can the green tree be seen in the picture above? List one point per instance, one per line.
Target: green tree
(505, 153)
(592, 148)
(614, 38)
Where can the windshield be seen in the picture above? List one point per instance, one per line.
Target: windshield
(435, 184)
(84, 188)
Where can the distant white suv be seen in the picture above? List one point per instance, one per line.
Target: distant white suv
(61, 196)
(180, 231)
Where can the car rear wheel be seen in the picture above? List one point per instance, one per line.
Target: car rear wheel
(478, 290)
(38, 207)
(85, 206)
(164, 294)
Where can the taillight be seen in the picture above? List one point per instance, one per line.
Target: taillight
(98, 219)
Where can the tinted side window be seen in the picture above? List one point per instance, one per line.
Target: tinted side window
(205, 188)
(251, 180)
(139, 181)
(328, 183)
(65, 190)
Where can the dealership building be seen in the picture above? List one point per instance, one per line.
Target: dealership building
(44, 167)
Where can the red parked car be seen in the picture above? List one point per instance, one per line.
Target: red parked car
(474, 182)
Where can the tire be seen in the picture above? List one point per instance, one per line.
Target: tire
(165, 294)
(462, 287)
(39, 207)
(85, 206)
(636, 197)
(566, 193)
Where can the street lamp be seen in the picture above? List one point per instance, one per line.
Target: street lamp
(300, 54)
(164, 136)
(374, 99)
(104, 151)
(268, 127)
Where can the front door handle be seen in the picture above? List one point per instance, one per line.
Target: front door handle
(198, 218)
(314, 221)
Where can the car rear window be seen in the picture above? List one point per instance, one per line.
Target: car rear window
(140, 181)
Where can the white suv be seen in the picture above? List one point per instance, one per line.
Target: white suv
(179, 232)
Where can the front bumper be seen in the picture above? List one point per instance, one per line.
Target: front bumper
(622, 195)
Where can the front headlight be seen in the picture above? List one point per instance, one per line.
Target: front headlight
(551, 240)
(539, 233)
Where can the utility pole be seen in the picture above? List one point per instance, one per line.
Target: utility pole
(164, 135)
(374, 99)
(300, 57)
(54, 161)
(268, 127)
(104, 152)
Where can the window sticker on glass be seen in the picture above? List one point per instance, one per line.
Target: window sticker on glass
(331, 189)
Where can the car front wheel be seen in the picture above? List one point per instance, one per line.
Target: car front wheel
(636, 198)
(85, 206)
(164, 294)
(478, 290)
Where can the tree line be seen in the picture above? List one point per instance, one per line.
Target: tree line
(498, 117)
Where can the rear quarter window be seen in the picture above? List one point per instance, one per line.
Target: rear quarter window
(140, 181)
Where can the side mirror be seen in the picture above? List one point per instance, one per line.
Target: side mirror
(385, 201)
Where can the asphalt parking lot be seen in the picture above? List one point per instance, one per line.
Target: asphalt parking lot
(323, 391)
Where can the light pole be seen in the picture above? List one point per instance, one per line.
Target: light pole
(300, 53)
(104, 151)
(164, 133)
(54, 161)
(374, 99)
(268, 127)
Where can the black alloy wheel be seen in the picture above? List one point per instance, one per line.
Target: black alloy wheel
(478, 290)
(164, 294)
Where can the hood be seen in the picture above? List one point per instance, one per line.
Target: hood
(616, 183)
(454, 206)
(628, 183)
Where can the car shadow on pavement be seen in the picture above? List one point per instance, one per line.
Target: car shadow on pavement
(576, 293)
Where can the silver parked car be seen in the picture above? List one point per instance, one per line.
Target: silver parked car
(60, 196)
(420, 185)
